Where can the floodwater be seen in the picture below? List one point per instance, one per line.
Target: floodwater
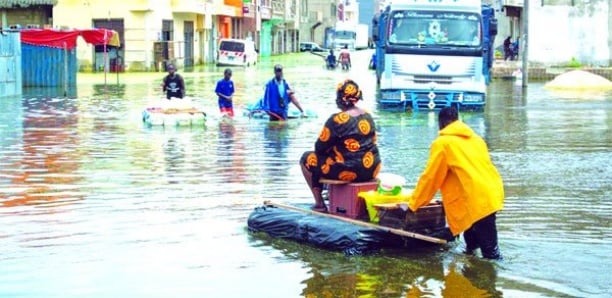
(94, 204)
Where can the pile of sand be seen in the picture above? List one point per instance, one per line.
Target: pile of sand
(579, 80)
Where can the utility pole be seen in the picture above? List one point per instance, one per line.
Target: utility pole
(3, 22)
(525, 43)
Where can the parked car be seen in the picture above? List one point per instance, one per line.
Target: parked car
(239, 52)
(311, 47)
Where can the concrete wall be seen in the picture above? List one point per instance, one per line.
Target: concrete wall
(560, 32)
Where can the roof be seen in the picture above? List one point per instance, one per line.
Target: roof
(25, 3)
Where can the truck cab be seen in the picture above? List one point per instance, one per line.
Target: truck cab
(345, 35)
(432, 54)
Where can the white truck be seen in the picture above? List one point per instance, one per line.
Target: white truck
(362, 37)
(345, 34)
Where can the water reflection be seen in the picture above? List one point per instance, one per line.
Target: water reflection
(174, 157)
(473, 278)
(109, 89)
(49, 92)
(231, 162)
(275, 147)
(45, 170)
(226, 148)
(416, 274)
(276, 140)
(505, 122)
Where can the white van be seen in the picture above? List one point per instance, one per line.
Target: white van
(236, 52)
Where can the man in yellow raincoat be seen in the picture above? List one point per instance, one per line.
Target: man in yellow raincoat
(472, 190)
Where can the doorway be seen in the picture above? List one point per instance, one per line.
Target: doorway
(188, 28)
(167, 36)
(115, 55)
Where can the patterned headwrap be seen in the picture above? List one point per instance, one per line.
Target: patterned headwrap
(348, 93)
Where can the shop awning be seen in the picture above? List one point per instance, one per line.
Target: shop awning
(68, 38)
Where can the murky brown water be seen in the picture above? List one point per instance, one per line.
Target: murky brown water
(94, 204)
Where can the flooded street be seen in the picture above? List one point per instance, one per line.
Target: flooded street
(94, 204)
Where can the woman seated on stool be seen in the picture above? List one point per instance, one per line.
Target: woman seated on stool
(346, 148)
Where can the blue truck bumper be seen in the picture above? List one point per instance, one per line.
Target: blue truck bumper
(431, 100)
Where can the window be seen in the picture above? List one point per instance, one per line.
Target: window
(434, 27)
(231, 46)
(167, 30)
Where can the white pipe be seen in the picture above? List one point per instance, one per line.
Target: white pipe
(65, 69)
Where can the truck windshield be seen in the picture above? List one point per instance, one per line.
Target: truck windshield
(409, 27)
(344, 34)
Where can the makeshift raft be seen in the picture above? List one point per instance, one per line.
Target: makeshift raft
(255, 111)
(352, 230)
(175, 112)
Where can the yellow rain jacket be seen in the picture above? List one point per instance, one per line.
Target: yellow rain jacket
(460, 167)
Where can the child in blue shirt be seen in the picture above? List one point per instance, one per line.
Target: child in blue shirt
(225, 91)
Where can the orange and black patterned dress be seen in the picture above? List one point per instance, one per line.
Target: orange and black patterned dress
(345, 150)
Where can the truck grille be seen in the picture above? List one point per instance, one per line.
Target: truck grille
(447, 80)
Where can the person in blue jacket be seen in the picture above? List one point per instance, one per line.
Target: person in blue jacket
(277, 97)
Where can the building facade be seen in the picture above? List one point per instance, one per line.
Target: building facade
(153, 32)
(319, 17)
(184, 32)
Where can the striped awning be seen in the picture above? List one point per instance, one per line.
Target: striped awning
(25, 3)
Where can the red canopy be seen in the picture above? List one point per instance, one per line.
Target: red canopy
(68, 38)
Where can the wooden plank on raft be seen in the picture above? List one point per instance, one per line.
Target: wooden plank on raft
(361, 223)
(331, 181)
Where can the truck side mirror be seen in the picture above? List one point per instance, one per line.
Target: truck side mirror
(493, 27)
(375, 28)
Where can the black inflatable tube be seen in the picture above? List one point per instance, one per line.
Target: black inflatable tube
(329, 233)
